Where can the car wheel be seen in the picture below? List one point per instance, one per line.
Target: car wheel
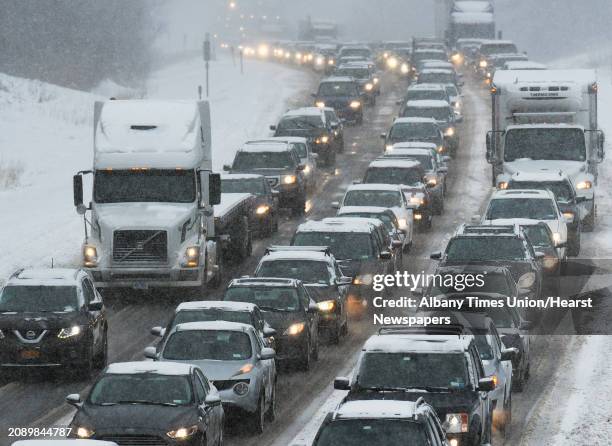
(258, 417)
(271, 412)
(269, 227)
(588, 224)
(203, 440)
(315, 350)
(305, 361)
(102, 358)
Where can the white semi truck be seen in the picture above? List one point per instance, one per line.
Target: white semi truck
(547, 119)
(152, 220)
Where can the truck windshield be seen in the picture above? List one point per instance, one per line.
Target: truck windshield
(545, 144)
(151, 185)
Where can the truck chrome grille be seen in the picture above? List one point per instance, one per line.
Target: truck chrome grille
(136, 440)
(140, 246)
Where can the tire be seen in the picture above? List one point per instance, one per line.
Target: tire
(305, 361)
(102, 358)
(345, 327)
(588, 224)
(258, 417)
(574, 246)
(269, 228)
(271, 412)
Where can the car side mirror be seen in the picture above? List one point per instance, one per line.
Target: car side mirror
(344, 280)
(77, 190)
(268, 332)
(315, 156)
(486, 384)
(312, 308)
(508, 354)
(157, 331)
(267, 353)
(539, 255)
(150, 353)
(458, 119)
(214, 188)
(385, 255)
(74, 399)
(227, 167)
(273, 128)
(342, 383)
(95, 305)
(383, 136)
(429, 185)
(446, 159)
(436, 255)
(275, 193)
(212, 400)
(334, 126)
(335, 205)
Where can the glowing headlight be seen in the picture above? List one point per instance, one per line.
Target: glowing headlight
(418, 216)
(319, 61)
(289, 179)
(320, 104)
(389, 147)
(457, 58)
(262, 209)
(405, 69)
(83, 432)
(526, 280)
(295, 329)
(503, 185)
(363, 279)
(432, 181)
(457, 422)
(355, 104)
(183, 432)
(325, 139)
(376, 80)
(386, 55)
(192, 256)
(392, 62)
(449, 131)
(90, 255)
(263, 50)
(326, 305)
(556, 237)
(550, 262)
(287, 55)
(582, 185)
(440, 149)
(369, 87)
(569, 216)
(453, 442)
(417, 200)
(331, 62)
(69, 332)
(244, 369)
(401, 222)
(483, 64)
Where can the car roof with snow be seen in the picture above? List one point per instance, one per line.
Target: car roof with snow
(304, 111)
(339, 219)
(337, 79)
(385, 163)
(425, 86)
(375, 187)
(322, 226)
(495, 41)
(580, 76)
(241, 176)
(542, 175)
(413, 340)
(215, 304)
(347, 210)
(415, 120)
(438, 64)
(212, 325)
(264, 281)
(436, 71)
(46, 277)
(428, 103)
(407, 151)
(265, 146)
(149, 367)
(429, 50)
(414, 145)
(292, 139)
(372, 409)
(522, 193)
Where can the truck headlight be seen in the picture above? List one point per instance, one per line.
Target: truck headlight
(389, 147)
(369, 86)
(483, 64)
(355, 104)
(262, 209)
(330, 62)
(556, 238)
(449, 131)
(392, 62)
(326, 306)
(457, 423)
(324, 139)
(418, 216)
(295, 329)
(289, 179)
(583, 185)
(526, 280)
(192, 256)
(502, 185)
(90, 255)
(363, 279)
(320, 104)
(69, 332)
(319, 61)
(405, 69)
(183, 433)
(83, 432)
(402, 223)
(419, 201)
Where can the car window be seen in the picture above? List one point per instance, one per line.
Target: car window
(204, 381)
(88, 291)
(473, 374)
(199, 388)
(304, 297)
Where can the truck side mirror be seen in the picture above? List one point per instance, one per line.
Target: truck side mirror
(77, 190)
(214, 188)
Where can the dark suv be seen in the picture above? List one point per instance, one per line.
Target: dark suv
(413, 130)
(400, 363)
(50, 318)
(344, 94)
(280, 163)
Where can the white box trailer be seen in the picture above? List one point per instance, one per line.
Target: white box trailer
(547, 119)
(152, 221)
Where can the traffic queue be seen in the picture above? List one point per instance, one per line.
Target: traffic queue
(220, 359)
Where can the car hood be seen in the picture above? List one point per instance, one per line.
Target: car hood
(554, 225)
(217, 370)
(571, 168)
(143, 215)
(134, 416)
(280, 321)
(39, 321)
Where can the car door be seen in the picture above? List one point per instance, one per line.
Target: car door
(311, 318)
(266, 368)
(484, 407)
(209, 418)
(505, 366)
(94, 318)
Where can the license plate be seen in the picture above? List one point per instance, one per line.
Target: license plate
(30, 354)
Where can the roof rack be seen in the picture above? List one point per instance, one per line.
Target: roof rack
(488, 229)
(446, 329)
(278, 248)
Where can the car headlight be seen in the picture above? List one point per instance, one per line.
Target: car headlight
(417, 200)
(244, 369)
(331, 62)
(363, 279)
(440, 149)
(192, 256)
(432, 181)
(418, 216)
(83, 432)
(320, 104)
(550, 262)
(402, 223)
(90, 255)
(69, 332)
(457, 423)
(376, 80)
(405, 69)
(503, 185)
(295, 329)
(289, 179)
(483, 64)
(183, 432)
(569, 216)
(326, 305)
(369, 86)
(355, 104)
(449, 131)
(556, 238)
(526, 280)
(457, 58)
(319, 61)
(583, 185)
(262, 209)
(389, 147)
(488, 74)
(324, 139)
(392, 62)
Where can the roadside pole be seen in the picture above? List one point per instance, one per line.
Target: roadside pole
(207, 60)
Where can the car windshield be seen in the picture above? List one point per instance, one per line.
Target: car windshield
(545, 144)
(423, 95)
(430, 55)
(344, 245)
(538, 235)
(263, 160)
(562, 191)
(534, 208)
(301, 122)
(142, 388)
(485, 249)
(413, 131)
(253, 186)
(498, 48)
(266, 298)
(436, 78)
(483, 346)
(372, 432)
(216, 345)
(425, 160)
(437, 113)
(212, 314)
(357, 73)
(393, 175)
(34, 299)
(308, 271)
(409, 370)
(451, 91)
(387, 220)
(379, 198)
(301, 149)
(355, 52)
(491, 283)
(147, 185)
(338, 89)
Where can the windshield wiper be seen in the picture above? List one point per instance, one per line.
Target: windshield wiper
(151, 403)
(407, 389)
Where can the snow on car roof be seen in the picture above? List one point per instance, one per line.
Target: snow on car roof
(264, 281)
(579, 76)
(415, 342)
(347, 210)
(522, 193)
(394, 163)
(267, 146)
(46, 276)
(516, 221)
(436, 71)
(339, 219)
(425, 86)
(524, 65)
(240, 176)
(472, 17)
(304, 111)
(321, 226)
(318, 256)
(283, 139)
(400, 151)
(544, 126)
(496, 42)
(376, 409)
(472, 6)
(375, 186)
(428, 103)
(542, 175)
(228, 202)
(158, 367)
(212, 325)
(429, 50)
(414, 145)
(414, 119)
(217, 304)
(338, 79)
(438, 64)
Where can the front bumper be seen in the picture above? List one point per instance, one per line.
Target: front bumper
(143, 277)
(289, 196)
(232, 401)
(142, 436)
